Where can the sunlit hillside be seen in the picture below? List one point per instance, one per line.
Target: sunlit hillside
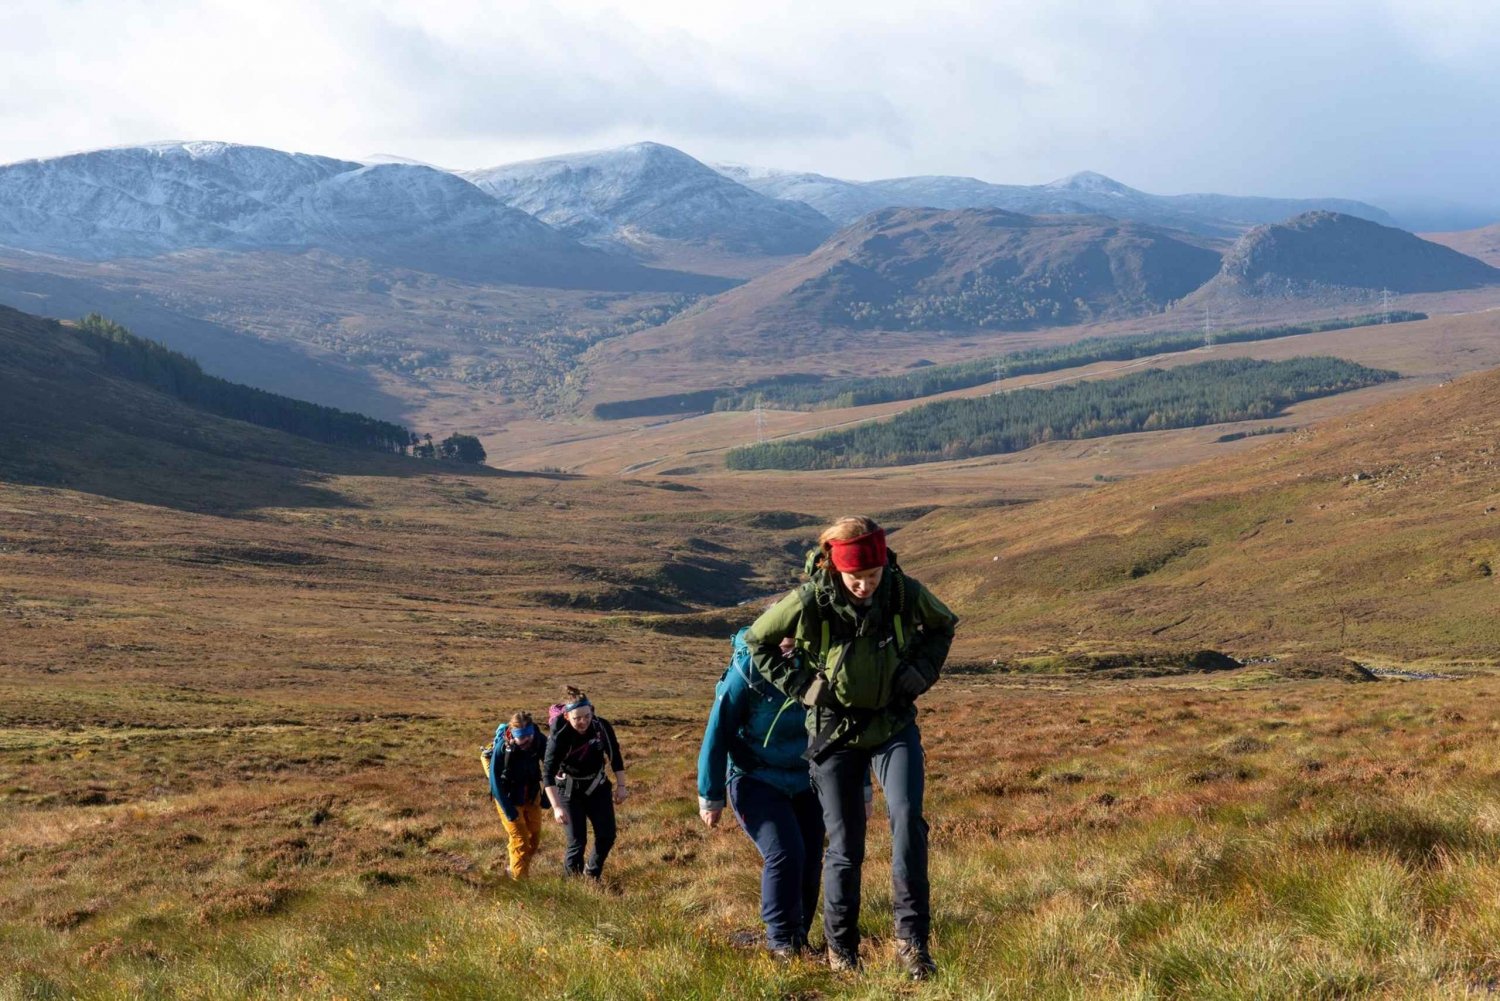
(238, 741)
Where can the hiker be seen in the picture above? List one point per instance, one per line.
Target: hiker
(873, 640)
(513, 765)
(581, 751)
(752, 750)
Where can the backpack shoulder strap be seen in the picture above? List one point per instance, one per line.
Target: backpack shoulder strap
(808, 595)
(740, 661)
(899, 580)
(609, 745)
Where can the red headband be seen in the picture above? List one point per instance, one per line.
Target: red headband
(864, 552)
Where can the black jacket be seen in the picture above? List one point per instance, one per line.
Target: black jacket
(572, 753)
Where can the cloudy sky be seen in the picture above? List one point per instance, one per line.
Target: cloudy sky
(1389, 100)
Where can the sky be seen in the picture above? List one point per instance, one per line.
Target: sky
(1394, 101)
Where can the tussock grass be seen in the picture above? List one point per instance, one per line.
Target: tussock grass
(1095, 839)
(246, 780)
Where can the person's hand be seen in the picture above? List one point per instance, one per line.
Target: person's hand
(712, 816)
(910, 682)
(621, 794)
(560, 815)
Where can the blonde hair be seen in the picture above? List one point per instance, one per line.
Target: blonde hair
(849, 527)
(521, 720)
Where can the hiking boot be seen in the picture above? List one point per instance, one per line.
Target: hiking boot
(783, 953)
(917, 960)
(842, 960)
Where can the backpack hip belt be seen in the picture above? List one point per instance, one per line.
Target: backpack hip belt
(570, 782)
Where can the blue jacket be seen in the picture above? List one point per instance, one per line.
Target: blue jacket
(515, 773)
(753, 730)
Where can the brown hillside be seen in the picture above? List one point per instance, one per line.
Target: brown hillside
(66, 421)
(1316, 253)
(932, 271)
(1375, 535)
(1482, 243)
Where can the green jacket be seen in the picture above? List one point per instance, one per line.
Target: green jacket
(865, 650)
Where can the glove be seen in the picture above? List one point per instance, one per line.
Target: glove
(819, 693)
(910, 682)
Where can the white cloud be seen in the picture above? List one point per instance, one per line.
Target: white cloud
(1319, 97)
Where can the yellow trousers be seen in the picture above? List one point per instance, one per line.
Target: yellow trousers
(525, 832)
(525, 836)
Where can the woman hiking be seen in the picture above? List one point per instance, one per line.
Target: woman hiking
(752, 756)
(581, 752)
(514, 768)
(873, 640)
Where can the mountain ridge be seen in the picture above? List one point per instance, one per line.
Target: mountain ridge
(166, 197)
(1320, 252)
(1084, 192)
(628, 196)
(929, 269)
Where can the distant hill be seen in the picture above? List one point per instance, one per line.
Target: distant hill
(839, 200)
(1320, 251)
(144, 201)
(635, 195)
(923, 269)
(1086, 193)
(1376, 536)
(1482, 244)
(990, 269)
(110, 415)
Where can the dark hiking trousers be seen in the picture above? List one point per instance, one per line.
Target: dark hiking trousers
(788, 832)
(839, 780)
(597, 808)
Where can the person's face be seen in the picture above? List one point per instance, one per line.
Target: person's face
(580, 718)
(523, 736)
(862, 583)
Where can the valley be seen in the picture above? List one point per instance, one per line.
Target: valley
(237, 750)
(1215, 723)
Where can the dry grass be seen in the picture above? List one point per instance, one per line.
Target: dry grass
(236, 760)
(1174, 838)
(1374, 537)
(237, 749)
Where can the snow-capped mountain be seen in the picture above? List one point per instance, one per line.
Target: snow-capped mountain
(148, 199)
(155, 199)
(1086, 192)
(841, 201)
(635, 195)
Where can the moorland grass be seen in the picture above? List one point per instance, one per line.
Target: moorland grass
(224, 777)
(1105, 839)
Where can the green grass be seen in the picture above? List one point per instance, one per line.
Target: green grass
(1090, 840)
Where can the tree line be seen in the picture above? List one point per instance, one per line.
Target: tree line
(1210, 392)
(150, 363)
(797, 393)
(983, 303)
